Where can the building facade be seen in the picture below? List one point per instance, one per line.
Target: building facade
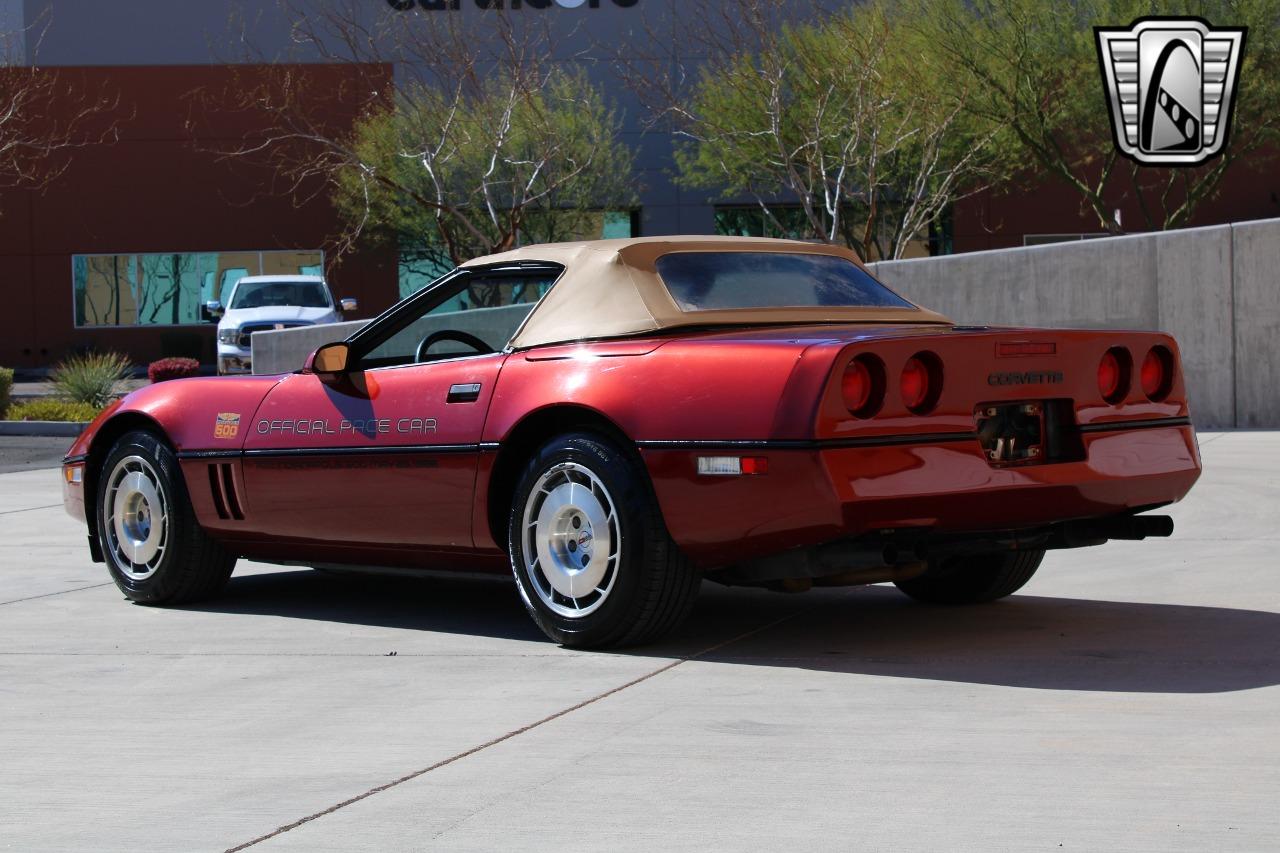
(123, 245)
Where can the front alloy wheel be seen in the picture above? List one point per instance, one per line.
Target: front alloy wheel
(135, 518)
(154, 547)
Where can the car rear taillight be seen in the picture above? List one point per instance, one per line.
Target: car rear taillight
(1113, 374)
(921, 382)
(863, 386)
(1157, 373)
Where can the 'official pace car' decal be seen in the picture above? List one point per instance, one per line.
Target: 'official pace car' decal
(226, 425)
(370, 428)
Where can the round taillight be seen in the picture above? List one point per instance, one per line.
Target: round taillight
(921, 382)
(1113, 375)
(1157, 373)
(863, 386)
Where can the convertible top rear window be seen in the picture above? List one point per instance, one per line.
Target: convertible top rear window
(709, 281)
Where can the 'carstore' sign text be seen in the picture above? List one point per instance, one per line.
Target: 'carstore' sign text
(454, 5)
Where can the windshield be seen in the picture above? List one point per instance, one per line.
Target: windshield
(261, 294)
(708, 281)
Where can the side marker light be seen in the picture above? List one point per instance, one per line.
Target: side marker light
(731, 466)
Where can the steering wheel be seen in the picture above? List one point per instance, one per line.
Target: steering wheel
(450, 335)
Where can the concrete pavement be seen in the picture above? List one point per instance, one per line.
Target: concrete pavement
(26, 452)
(1126, 701)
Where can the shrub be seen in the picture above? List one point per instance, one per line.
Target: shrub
(91, 378)
(6, 385)
(52, 410)
(172, 368)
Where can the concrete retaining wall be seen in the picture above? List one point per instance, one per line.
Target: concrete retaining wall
(1215, 289)
(285, 351)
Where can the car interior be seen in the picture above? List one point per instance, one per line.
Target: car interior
(463, 314)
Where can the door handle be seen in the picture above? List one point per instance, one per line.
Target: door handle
(464, 393)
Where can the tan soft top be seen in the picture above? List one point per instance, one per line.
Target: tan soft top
(611, 288)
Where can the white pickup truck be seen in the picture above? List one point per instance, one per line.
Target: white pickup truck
(262, 302)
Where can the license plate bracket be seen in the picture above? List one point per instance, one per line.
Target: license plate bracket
(1012, 433)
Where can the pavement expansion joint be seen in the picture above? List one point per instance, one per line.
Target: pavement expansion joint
(409, 777)
(51, 594)
(30, 509)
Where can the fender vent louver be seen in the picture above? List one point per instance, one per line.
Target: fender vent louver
(226, 497)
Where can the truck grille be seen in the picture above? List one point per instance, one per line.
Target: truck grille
(249, 328)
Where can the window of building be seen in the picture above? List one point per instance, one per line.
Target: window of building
(1046, 239)
(789, 222)
(167, 289)
(420, 267)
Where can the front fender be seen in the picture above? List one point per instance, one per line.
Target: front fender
(203, 413)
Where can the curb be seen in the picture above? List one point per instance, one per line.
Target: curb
(65, 429)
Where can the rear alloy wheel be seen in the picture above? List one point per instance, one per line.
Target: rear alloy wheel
(974, 578)
(590, 553)
(155, 549)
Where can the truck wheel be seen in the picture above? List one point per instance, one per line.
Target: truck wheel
(592, 558)
(974, 578)
(154, 547)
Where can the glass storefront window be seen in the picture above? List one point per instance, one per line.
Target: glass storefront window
(168, 289)
(787, 222)
(790, 222)
(418, 267)
(104, 289)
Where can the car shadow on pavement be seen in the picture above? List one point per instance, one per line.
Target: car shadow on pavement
(1023, 641)
(478, 606)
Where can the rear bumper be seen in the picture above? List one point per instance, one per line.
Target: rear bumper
(953, 487)
(810, 496)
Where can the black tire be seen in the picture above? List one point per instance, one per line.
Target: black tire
(190, 565)
(975, 578)
(649, 585)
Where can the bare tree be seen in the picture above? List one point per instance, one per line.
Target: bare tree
(1036, 69)
(834, 117)
(477, 141)
(44, 112)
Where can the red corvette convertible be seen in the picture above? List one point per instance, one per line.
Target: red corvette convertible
(622, 418)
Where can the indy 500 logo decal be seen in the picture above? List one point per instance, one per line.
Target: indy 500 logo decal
(1170, 83)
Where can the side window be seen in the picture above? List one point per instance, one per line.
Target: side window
(489, 308)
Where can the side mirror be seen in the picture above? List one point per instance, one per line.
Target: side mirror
(211, 311)
(348, 304)
(330, 359)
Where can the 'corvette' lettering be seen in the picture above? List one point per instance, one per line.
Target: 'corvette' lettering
(1031, 377)
(370, 427)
